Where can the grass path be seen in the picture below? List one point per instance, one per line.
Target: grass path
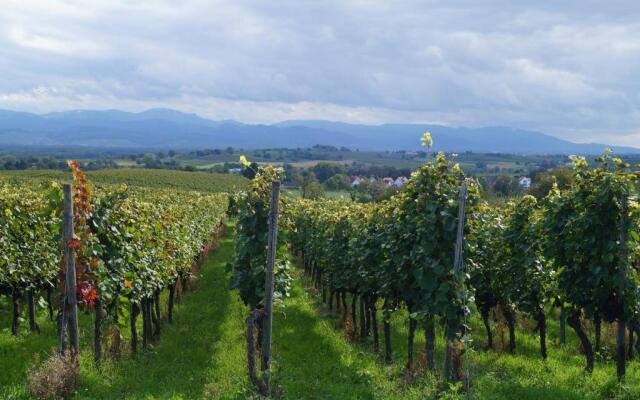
(200, 356)
(316, 361)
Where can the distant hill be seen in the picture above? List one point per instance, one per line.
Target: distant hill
(170, 129)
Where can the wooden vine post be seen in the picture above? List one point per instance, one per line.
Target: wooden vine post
(70, 304)
(457, 269)
(622, 323)
(268, 293)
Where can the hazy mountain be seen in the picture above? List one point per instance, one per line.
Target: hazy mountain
(165, 128)
(488, 139)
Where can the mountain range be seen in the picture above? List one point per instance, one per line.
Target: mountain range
(170, 129)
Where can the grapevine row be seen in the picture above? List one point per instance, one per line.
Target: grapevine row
(130, 244)
(398, 253)
(576, 250)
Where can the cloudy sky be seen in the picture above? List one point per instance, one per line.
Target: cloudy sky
(572, 70)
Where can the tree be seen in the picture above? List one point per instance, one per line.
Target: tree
(338, 182)
(543, 181)
(324, 171)
(506, 186)
(297, 179)
(368, 191)
(312, 190)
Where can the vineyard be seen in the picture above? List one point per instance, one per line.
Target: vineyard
(438, 253)
(126, 247)
(399, 253)
(433, 293)
(139, 177)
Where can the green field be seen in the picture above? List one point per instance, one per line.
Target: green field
(154, 178)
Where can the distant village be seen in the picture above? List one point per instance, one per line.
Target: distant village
(388, 182)
(523, 181)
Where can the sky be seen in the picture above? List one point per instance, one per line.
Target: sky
(568, 68)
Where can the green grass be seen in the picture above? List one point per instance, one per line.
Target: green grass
(202, 356)
(154, 178)
(333, 367)
(316, 361)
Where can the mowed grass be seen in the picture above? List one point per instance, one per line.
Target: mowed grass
(202, 356)
(349, 370)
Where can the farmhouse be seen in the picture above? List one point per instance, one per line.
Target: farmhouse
(525, 182)
(401, 181)
(388, 182)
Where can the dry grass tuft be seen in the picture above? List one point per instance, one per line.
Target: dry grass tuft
(55, 378)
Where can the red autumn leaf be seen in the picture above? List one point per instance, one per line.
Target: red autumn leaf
(74, 243)
(88, 294)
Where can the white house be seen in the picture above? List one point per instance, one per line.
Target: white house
(525, 182)
(401, 181)
(388, 182)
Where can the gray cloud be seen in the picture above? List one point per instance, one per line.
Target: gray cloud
(568, 69)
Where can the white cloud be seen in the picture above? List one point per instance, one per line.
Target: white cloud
(565, 68)
(49, 44)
